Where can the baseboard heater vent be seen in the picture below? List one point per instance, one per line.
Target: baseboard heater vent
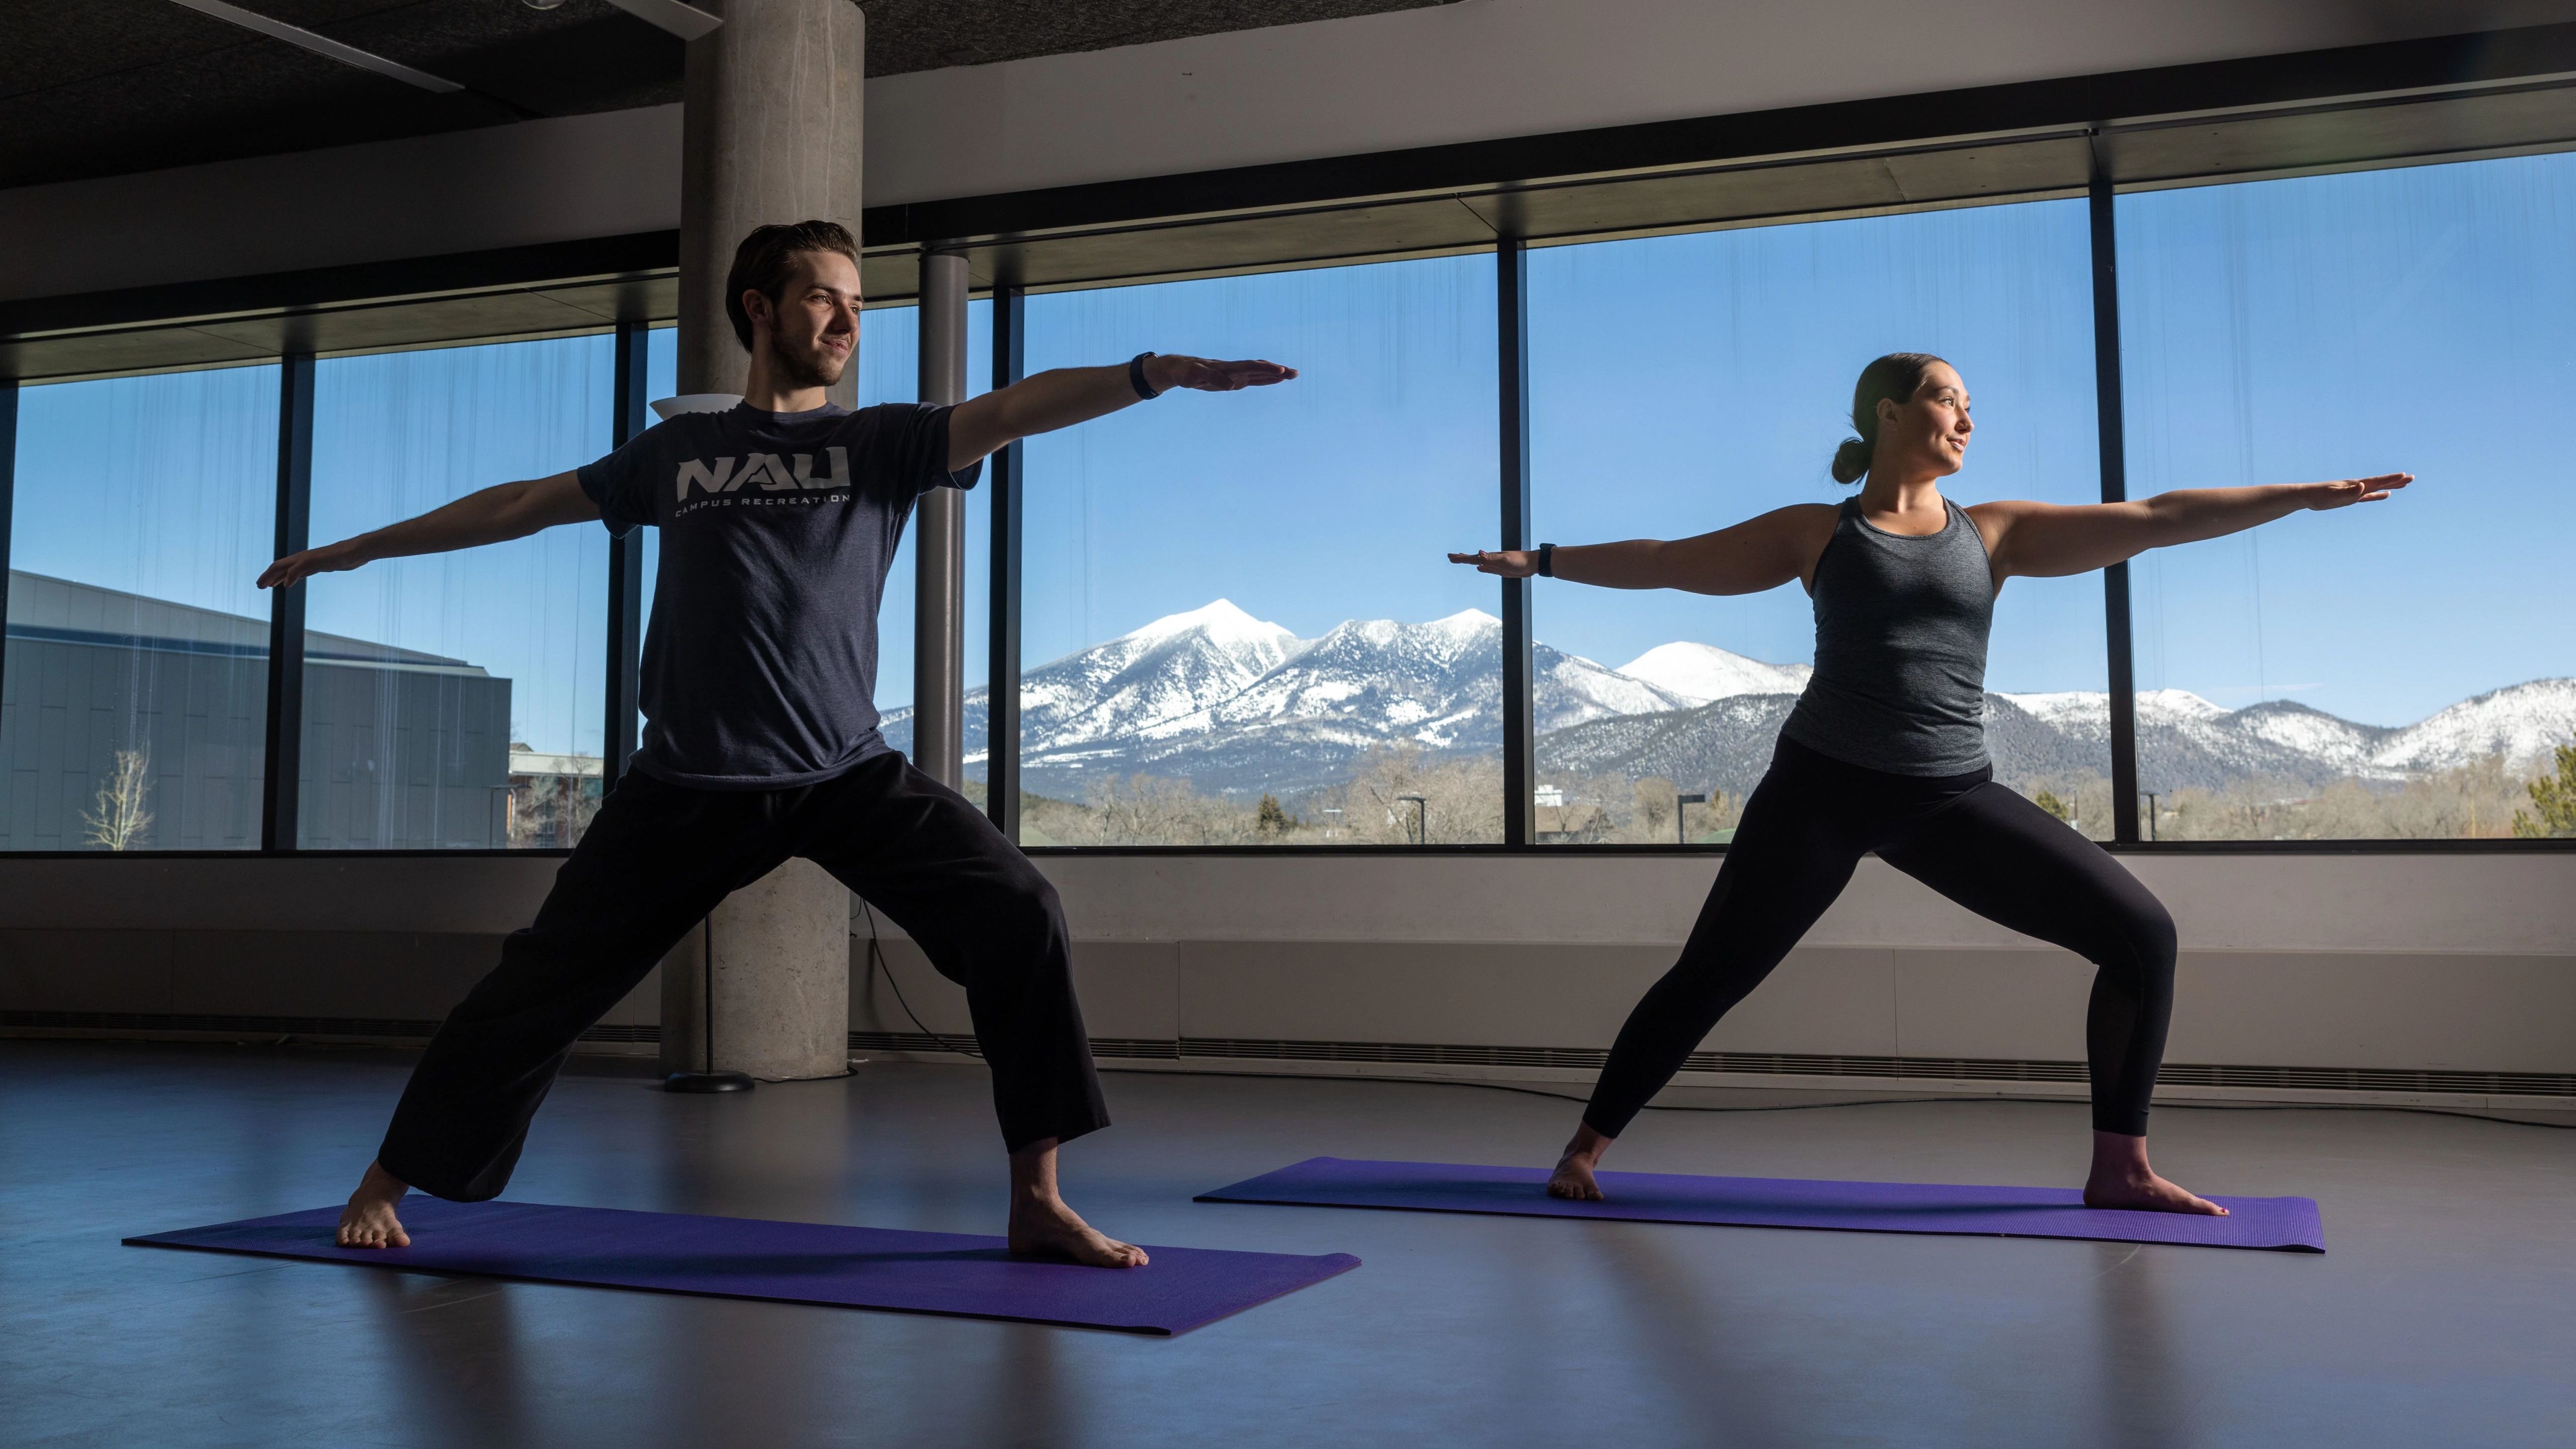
(1101, 1046)
(269, 1026)
(1588, 1059)
(1785, 1064)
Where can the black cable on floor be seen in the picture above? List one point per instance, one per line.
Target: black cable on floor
(1890, 1101)
(877, 963)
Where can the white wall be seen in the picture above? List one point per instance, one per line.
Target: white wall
(1474, 70)
(2425, 962)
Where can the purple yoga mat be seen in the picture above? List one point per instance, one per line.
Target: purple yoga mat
(948, 1273)
(2287, 1224)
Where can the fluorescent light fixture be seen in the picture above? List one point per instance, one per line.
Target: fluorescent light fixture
(685, 21)
(321, 44)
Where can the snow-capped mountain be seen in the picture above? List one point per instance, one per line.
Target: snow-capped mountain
(2525, 724)
(1152, 682)
(2184, 741)
(1233, 703)
(1703, 672)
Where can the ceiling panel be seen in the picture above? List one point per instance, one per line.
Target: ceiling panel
(100, 87)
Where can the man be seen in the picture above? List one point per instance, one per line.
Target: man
(779, 519)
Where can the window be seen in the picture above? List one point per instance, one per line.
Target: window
(1239, 628)
(890, 371)
(1238, 622)
(137, 670)
(1681, 384)
(454, 700)
(2393, 670)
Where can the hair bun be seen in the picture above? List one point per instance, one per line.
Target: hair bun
(1851, 460)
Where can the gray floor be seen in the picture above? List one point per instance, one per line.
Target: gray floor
(2445, 1312)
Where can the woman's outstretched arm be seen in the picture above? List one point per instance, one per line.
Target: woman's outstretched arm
(1757, 554)
(2047, 540)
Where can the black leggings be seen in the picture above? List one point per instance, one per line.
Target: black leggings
(1807, 826)
(659, 857)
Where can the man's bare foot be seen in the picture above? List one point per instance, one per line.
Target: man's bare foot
(1573, 1176)
(368, 1221)
(2121, 1178)
(1042, 1226)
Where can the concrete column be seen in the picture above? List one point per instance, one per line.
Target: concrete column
(770, 132)
(939, 580)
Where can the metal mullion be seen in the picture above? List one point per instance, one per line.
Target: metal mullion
(1511, 300)
(628, 418)
(1002, 674)
(2110, 425)
(8, 502)
(285, 723)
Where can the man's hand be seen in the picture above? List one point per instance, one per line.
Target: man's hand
(295, 568)
(1510, 563)
(1201, 374)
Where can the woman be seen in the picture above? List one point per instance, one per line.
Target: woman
(1886, 749)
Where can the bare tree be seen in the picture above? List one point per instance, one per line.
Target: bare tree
(120, 821)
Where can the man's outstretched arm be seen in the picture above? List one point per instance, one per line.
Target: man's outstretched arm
(1064, 396)
(494, 515)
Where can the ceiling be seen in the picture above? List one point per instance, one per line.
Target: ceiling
(102, 87)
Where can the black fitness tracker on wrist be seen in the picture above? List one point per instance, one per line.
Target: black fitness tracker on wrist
(1547, 560)
(1136, 377)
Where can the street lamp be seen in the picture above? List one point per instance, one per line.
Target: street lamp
(2151, 809)
(1421, 815)
(1681, 836)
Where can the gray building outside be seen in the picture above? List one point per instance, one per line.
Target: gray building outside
(116, 707)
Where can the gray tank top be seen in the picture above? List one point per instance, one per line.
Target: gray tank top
(1901, 625)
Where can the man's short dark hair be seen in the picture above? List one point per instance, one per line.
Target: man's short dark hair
(762, 263)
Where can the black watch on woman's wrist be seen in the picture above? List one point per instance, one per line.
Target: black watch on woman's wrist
(1136, 377)
(1547, 560)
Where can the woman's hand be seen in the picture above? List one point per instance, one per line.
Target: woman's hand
(1510, 563)
(1204, 374)
(2343, 492)
(295, 568)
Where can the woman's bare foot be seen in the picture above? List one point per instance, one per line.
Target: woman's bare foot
(368, 1221)
(2121, 1178)
(1049, 1229)
(1573, 1176)
(1042, 1226)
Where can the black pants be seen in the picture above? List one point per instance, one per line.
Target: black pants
(660, 857)
(1805, 828)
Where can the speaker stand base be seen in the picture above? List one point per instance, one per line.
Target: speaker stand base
(707, 1082)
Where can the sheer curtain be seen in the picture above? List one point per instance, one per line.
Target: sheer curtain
(1239, 624)
(2399, 669)
(137, 676)
(1682, 384)
(454, 700)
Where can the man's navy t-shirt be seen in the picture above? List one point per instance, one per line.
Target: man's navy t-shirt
(760, 663)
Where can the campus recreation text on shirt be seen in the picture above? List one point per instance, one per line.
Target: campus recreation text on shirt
(760, 661)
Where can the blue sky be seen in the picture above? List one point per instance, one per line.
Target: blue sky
(1681, 384)
(399, 434)
(2409, 319)
(2412, 320)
